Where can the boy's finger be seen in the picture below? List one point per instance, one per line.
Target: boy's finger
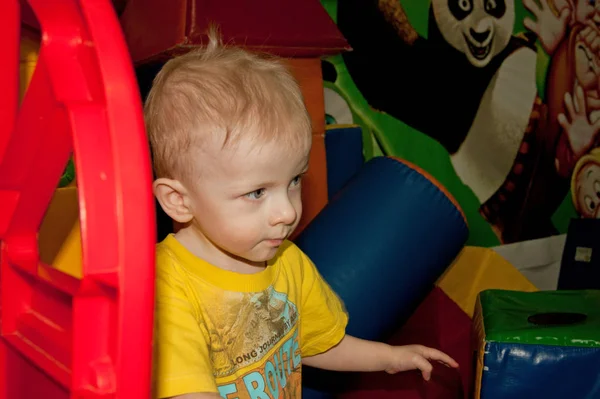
(434, 354)
(426, 375)
(423, 364)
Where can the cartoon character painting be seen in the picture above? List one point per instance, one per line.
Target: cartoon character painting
(572, 39)
(515, 108)
(585, 185)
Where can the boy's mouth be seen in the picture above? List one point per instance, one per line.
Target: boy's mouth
(275, 241)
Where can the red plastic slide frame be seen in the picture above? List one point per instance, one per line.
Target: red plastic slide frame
(62, 337)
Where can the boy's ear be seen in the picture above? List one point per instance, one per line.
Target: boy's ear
(173, 199)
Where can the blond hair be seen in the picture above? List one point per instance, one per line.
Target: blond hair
(226, 91)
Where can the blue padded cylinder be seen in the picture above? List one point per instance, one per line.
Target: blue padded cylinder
(382, 242)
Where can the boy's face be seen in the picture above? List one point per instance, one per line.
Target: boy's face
(247, 199)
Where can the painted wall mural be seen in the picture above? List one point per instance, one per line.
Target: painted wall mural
(499, 100)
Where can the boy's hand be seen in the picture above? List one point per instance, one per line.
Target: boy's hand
(412, 357)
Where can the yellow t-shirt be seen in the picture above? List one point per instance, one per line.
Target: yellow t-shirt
(242, 335)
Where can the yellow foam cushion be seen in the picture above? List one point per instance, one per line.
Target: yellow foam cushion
(477, 269)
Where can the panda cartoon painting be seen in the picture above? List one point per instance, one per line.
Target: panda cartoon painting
(433, 84)
(470, 85)
(482, 30)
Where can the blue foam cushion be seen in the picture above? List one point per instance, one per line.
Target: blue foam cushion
(383, 242)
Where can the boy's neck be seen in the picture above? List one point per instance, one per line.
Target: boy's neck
(195, 242)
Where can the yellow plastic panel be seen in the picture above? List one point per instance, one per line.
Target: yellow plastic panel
(60, 237)
(30, 47)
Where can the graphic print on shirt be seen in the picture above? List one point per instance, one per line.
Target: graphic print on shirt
(259, 329)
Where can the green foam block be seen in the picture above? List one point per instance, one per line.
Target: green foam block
(558, 318)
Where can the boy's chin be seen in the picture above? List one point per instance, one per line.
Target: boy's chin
(260, 259)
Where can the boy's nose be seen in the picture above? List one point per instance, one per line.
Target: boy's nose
(284, 213)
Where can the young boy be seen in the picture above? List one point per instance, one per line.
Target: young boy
(239, 307)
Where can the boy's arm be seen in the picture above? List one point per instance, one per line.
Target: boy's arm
(354, 354)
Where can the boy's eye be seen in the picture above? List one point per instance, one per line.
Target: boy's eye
(256, 194)
(296, 181)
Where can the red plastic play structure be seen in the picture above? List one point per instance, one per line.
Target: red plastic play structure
(63, 337)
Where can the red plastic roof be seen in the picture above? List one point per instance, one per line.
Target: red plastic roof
(161, 28)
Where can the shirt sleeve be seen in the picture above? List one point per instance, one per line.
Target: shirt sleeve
(323, 317)
(182, 362)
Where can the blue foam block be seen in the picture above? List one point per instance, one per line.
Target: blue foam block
(523, 371)
(543, 344)
(343, 146)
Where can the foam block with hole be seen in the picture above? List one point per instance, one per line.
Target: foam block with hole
(542, 344)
